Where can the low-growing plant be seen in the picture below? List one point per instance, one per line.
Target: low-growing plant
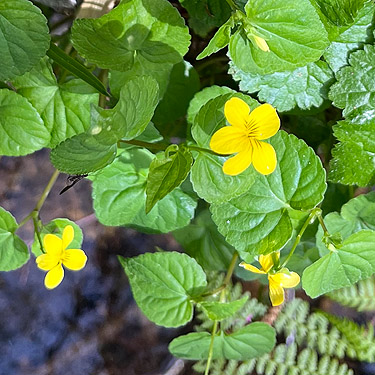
(184, 146)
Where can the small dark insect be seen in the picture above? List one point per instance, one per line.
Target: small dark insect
(71, 180)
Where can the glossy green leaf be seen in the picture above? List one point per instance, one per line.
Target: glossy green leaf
(355, 83)
(163, 285)
(207, 176)
(202, 241)
(287, 31)
(24, 37)
(212, 184)
(90, 151)
(206, 14)
(64, 108)
(222, 310)
(202, 97)
(119, 193)
(167, 171)
(357, 214)
(353, 157)
(82, 154)
(259, 221)
(220, 40)
(303, 87)
(56, 226)
(133, 112)
(13, 251)
(22, 131)
(350, 39)
(150, 134)
(160, 73)
(183, 84)
(138, 30)
(353, 261)
(340, 12)
(248, 342)
(75, 67)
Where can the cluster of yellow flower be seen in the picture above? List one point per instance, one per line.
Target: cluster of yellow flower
(244, 137)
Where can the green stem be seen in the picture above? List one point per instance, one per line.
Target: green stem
(211, 349)
(41, 200)
(36, 229)
(231, 268)
(228, 276)
(232, 4)
(223, 287)
(321, 222)
(201, 149)
(316, 212)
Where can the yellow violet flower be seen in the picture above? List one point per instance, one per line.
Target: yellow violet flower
(277, 280)
(57, 255)
(245, 136)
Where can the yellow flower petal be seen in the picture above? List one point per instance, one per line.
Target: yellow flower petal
(237, 112)
(67, 237)
(237, 164)
(250, 268)
(52, 244)
(229, 140)
(276, 292)
(74, 259)
(264, 157)
(54, 277)
(266, 261)
(47, 261)
(286, 280)
(263, 122)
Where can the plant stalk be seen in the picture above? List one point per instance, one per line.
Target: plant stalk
(316, 212)
(226, 281)
(41, 200)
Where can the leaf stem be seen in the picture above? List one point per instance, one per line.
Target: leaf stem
(36, 229)
(232, 5)
(43, 197)
(316, 212)
(211, 349)
(227, 278)
(222, 288)
(321, 222)
(201, 149)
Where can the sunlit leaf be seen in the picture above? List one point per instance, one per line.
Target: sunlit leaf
(174, 277)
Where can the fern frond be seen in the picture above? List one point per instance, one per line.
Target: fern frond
(284, 360)
(360, 296)
(361, 342)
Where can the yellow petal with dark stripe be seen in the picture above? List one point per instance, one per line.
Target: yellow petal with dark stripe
(229, 140)
(74, 259)
(276, 291)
